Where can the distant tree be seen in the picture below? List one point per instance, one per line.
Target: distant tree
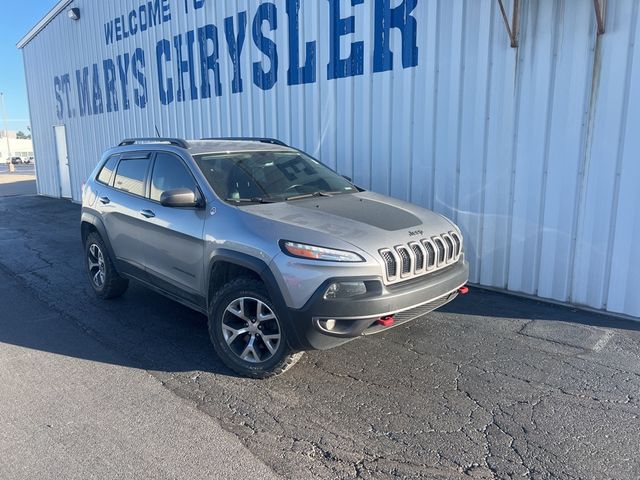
(22, 136)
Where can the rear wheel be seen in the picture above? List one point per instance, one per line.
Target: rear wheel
(246, 331)
(103, 277)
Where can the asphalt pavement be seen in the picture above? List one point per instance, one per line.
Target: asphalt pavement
(66, 416)
(28, 168)
(491, 386)
(20, 182)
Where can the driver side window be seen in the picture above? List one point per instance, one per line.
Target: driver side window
(169, 173)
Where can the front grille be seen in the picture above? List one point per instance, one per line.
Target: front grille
(421, 257)
(449, 244)
(418, 253)
(457, 241)
(440, 249)
(390, 263)
(406, 260)
(431, 252)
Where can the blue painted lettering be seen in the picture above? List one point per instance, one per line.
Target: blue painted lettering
(109, 69)
(265, 79)
(98, 106)
(209, 61)
(137, 68)
(399, 17)
(185, 66)
(338, 27)
(57, 87)
(163, 49)
(123, 74)
(297, 74)
(82, 83)
(235, 44)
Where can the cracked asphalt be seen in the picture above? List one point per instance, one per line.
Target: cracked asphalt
(491, 386)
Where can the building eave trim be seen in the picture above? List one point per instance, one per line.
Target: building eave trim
(43, 23)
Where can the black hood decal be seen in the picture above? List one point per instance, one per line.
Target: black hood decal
(378, 214)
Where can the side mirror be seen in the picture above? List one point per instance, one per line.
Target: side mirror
(179, 197)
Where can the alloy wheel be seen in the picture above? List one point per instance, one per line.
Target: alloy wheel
(251, 329)
(96, 265)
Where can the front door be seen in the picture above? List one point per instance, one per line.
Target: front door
(63, 160)
(175, 247)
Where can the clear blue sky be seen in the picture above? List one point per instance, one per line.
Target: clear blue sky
(15, 21)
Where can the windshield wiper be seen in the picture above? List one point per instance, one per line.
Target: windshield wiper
(250, 200)
(312, 194)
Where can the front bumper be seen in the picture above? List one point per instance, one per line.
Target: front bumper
(359, 316)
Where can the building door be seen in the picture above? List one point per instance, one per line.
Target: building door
(63, 160)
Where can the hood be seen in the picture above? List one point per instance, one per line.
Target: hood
(366, 220)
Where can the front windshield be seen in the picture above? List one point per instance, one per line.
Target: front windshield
(269, 176)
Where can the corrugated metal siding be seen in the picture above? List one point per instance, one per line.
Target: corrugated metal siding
(532, 151)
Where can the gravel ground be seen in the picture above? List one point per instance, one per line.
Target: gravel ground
(491, 386)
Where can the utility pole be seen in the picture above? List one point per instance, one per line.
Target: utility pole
(6, 133)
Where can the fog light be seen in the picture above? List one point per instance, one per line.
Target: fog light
(330, 324)
(345, 290)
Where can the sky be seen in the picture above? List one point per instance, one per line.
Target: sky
(15, 22)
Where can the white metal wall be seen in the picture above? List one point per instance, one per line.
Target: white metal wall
(534, 152)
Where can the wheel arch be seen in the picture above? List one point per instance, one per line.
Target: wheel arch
(255, 268)
(225, 262)
(91, 222)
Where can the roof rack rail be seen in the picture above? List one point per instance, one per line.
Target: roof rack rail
(178, 142)
(273, 141)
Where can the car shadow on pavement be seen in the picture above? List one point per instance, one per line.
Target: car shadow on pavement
(141, 330)
(487, 303)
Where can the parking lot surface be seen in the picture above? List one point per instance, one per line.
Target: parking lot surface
(29, 168)
(20, 182)
(491, 386)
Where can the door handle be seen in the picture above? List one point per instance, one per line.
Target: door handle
(147, 213)
(104, 200)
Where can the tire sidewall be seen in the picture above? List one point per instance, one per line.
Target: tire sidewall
(94, 239)
(229, 293)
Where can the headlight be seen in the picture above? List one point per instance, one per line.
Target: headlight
(312, 252)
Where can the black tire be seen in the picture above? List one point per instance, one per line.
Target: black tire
(274, 363)
(112, 284)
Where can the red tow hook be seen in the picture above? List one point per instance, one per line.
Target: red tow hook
(386, 321)
(463, 290)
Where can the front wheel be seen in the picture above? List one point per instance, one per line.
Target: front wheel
(246, 331)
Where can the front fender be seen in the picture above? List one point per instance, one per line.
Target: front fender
(260, 268)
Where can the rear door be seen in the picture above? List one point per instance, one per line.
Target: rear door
(124, 208)
(174, 236)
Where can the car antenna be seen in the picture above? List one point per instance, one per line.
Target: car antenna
(157, 132)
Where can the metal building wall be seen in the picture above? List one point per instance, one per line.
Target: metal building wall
(534, 151)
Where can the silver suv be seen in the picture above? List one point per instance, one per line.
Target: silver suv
(280, 252)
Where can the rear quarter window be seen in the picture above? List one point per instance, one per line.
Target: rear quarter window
(106, 172)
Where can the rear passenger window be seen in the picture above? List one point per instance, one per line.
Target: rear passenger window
(170, 173)
(131, 175)
(107, 171)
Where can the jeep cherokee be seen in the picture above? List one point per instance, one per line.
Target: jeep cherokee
(280, 252)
